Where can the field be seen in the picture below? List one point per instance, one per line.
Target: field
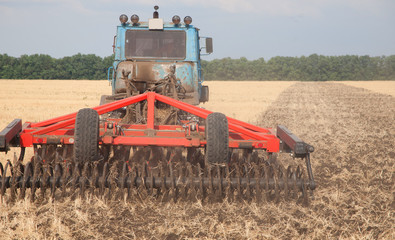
(351, 126)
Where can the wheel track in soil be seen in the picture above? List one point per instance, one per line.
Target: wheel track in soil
(353, 132)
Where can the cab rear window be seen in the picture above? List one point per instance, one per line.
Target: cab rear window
(155, 44)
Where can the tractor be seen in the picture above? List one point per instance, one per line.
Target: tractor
(150, 138)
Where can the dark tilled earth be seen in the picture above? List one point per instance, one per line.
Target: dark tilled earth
(353, 132)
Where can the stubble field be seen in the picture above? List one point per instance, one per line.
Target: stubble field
(351, 126)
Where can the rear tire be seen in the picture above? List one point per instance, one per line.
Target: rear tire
(217, 136)
(86, 136)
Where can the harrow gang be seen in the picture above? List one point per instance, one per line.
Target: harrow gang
(248, 173)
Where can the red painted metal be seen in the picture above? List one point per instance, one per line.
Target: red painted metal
(69, 119)
(54, 127)
(61, 129)
(233, 124)
(151, 110)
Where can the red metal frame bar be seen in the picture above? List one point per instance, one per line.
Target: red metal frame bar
(151, 110)
(69, 119)
(166, 135)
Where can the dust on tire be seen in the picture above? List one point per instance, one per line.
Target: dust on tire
(217, 136)
(86, 135)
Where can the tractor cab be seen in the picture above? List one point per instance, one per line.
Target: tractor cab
(159, 56)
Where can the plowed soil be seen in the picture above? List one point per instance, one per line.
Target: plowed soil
(353, 132)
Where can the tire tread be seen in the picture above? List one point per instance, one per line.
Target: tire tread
(86, 135)
(217, 136)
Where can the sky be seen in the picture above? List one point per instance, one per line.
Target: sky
(250, 28)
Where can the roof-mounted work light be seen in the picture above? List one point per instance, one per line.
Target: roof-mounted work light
(123, 18)
(135, 19)
(176, 19)
(187, 20)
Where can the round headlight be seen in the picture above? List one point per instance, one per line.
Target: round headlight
(176, 19)
(123, 18)
(134, 18)
(187, 20)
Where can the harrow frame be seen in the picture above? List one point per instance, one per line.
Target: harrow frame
(113, 132)
(60, 130)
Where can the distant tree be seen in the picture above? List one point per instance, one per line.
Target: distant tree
(311, 68)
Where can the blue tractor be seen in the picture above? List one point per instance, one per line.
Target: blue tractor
(158, 56)
(154, 139)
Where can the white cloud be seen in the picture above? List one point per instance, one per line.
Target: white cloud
(76, 5)
(264, 7)
(272, 7)
(294, 7)
(5, 11)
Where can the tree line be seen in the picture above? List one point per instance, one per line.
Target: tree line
(311, 68)
(41, 66)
